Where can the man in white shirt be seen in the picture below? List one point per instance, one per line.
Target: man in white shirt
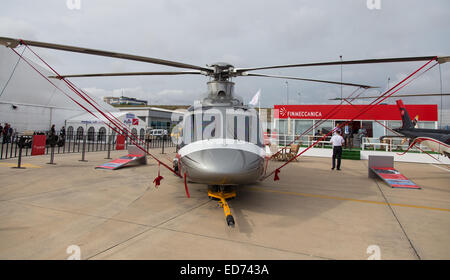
(337, 142)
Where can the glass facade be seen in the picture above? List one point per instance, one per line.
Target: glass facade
(378, 129)
(282, 127)
(324, 127)
(301, 126)
(429, 125)
(392, 125)
(159, 124)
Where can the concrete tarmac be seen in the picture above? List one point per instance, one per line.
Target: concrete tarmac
(311, 213)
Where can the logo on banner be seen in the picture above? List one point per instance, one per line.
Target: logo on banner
(135, 122)
(302, 114)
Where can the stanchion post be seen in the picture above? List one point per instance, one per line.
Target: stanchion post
(52, 154)
(19, 160)
(109, 147)
(163, 144)
(83, 149)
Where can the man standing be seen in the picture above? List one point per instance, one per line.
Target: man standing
(337, 142)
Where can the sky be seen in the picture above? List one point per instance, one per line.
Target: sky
(245, 34)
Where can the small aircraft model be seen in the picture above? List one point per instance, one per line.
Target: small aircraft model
(437, 140)
(222, 142)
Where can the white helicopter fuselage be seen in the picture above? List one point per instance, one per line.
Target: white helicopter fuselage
(221, 140)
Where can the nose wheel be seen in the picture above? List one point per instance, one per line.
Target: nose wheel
(222, 193)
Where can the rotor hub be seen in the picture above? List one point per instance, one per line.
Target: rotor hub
(222, 71)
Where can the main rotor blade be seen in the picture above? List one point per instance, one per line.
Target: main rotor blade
(395, 96)
(12, 43)
(130, 74)
(309, 80)
(363, 61)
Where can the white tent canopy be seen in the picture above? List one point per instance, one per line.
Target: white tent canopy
(29, 102)
(86, 123)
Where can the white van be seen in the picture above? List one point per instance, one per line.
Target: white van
(158, 134)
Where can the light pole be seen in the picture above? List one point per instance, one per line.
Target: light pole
(340, 57)
(287, 93)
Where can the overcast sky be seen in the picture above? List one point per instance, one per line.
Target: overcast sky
(245, 34)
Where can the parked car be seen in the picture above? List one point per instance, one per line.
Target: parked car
(156, 134)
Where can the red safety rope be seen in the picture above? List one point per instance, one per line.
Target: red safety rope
(377, 101)
(117, 122)
(74, 89)
(395, 132)
(158, 179)
(418, 141)
(185, 185)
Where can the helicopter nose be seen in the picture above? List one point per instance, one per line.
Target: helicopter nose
(223, 166)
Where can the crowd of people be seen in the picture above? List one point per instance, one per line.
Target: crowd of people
(6, 133)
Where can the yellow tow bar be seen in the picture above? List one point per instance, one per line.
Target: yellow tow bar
(222, 197)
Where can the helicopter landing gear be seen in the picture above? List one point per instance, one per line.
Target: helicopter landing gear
(222, 193)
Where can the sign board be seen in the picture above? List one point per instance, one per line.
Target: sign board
(135, 122)
(120, 162)
(394, 178)
(426, 112)
(120, 144)
(38, 145)
(135, 155)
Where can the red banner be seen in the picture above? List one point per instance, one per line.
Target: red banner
(38, 145)
(120, 144)
(347, 112)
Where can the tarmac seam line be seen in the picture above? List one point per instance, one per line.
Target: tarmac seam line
(79, 214)
(347, 199)
(445, 169)
(397, 219)
(246, 243)
(147, 230)
(399, 223)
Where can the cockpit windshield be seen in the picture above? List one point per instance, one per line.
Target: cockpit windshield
(241, 124)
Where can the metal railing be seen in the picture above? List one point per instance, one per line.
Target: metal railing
(390, 145)
(93, 142)
(364, 143)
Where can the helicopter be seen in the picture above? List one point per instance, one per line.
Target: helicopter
(435, 139)
(221, 143)
(438, 140)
